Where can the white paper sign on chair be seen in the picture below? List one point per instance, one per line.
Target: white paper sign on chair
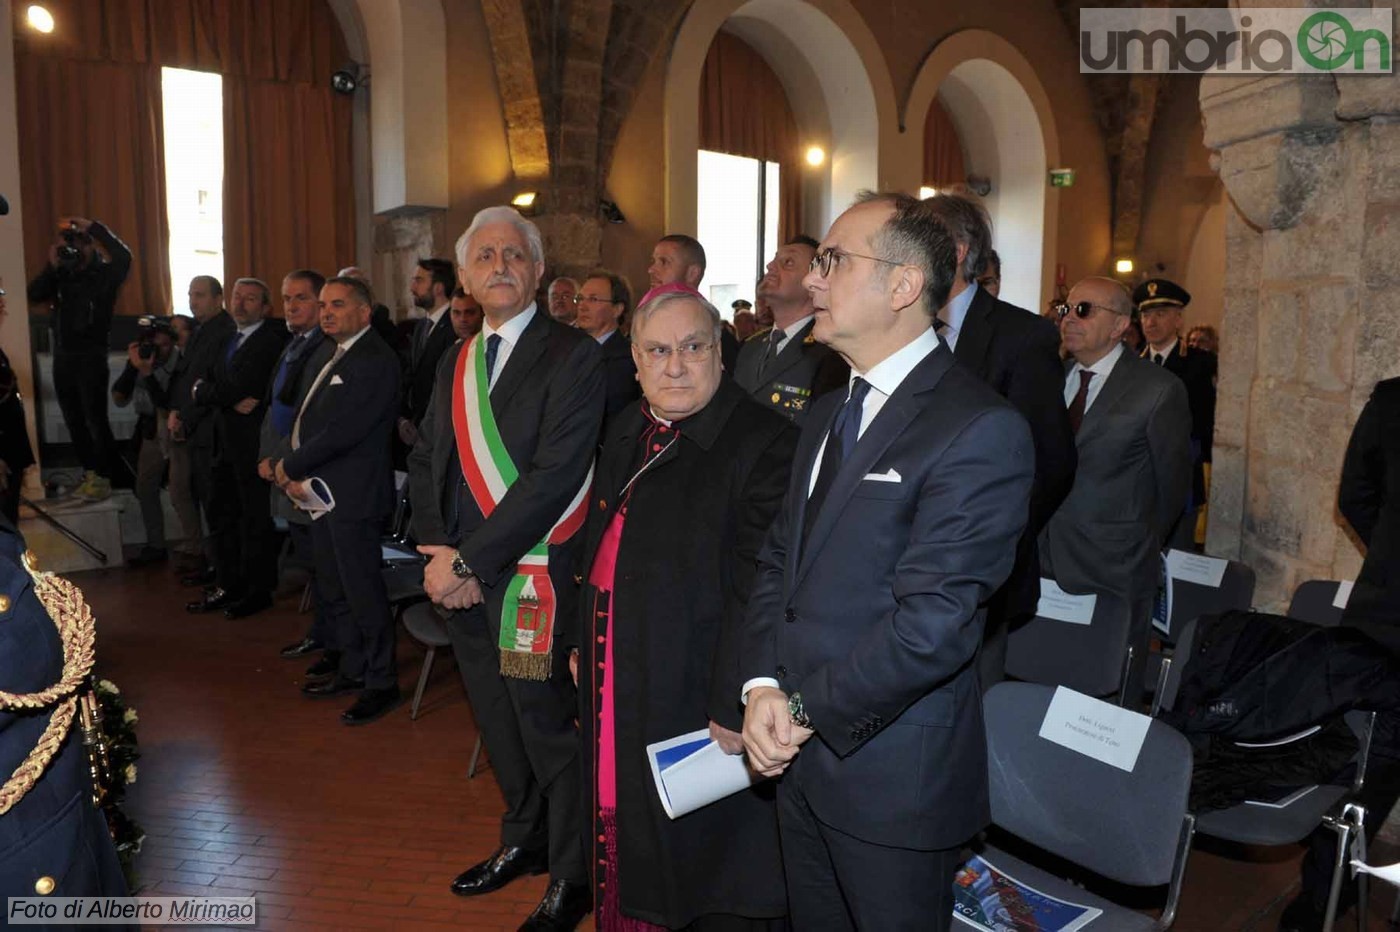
(1196, 568)
(1095, 728)
(1059, 605)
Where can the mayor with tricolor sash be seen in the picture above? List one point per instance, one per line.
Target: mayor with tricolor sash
(499, 482)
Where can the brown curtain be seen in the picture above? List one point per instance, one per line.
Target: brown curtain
(289, 197)
(276, 57)
(943, 155)
(91, 145)
(744, 111)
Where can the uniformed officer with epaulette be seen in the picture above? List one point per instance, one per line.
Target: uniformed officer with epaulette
(1159, 305)
(784, 367)
(53, 840)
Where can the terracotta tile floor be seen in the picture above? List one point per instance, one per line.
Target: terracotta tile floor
(247, 788)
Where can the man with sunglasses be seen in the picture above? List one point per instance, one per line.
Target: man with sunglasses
(909, 492)
(1017, 353)
(1132, 430)
(784, 367)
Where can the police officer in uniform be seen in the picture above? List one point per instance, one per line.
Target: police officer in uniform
(1159, 305)
(53, 840)
(784, 367)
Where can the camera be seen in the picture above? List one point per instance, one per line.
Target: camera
(148, 325)
(70, 253)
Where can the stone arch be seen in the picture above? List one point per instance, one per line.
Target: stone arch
(823, 44)
(1008, 129)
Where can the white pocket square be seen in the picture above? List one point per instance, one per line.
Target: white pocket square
(337, 380)
(891, 476)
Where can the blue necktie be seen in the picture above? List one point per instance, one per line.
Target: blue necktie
(493, 345)
(284, 414)
(845, 430)
(234, 342)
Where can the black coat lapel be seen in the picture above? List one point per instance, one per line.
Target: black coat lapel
(975, 337)
(523, 357)
(791, 354)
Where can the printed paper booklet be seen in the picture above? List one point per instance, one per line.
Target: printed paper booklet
(985, 897)
(691, 771)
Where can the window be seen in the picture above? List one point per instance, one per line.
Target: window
(737, 222)
(194, 176)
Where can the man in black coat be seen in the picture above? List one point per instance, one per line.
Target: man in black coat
(193, 425)
(431, 289)
(784, 367)
(1160, 304)
(545, 395)
(603, 301)
(53, 841)
(245, 541)
(341, 438)
(1017, 353)
(695, 455)
(1369, 498)
(908, 495)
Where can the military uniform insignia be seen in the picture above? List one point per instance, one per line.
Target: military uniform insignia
(1152, 289)
(810, 338)
(777, 397)
(790, 399)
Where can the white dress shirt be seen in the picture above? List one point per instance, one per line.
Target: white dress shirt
(339, 354)
(884, 378)
(1152, 354)
(510, 335)
(1101, 369)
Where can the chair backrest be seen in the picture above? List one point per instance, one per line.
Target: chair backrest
(1312, 602)
(1086, 658)
(1127, 827)
(398, 523)
(1192, 600)
(1176, 667)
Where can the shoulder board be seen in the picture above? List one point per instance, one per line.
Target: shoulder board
(758, 335)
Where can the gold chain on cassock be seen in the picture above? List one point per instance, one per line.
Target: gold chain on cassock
(72, 616)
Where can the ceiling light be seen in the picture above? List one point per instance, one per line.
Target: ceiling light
(1123, 266)
(815, 155)
(926, 192)
(40, 19)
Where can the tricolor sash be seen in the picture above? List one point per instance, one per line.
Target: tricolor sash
(528, 613)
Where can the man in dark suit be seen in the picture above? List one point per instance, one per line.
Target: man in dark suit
(1132, 432)
(604, 299)
(306, 352)
(1160, 304)
(341, 439)
(431, 288)
(191, 425)
(908, 495)
(245, 542)
(1017, 353)
(1369, 498)
(53, 841)
(545, 396)
(680, 259)
(785, 368)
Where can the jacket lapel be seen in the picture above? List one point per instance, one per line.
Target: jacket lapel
(791, 354)
(1110, 394)
(523, 357)
(896, 414)
(975, 337)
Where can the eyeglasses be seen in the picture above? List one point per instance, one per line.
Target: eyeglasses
(591, 299)
(1080, 309)
(689, 353)
(823, 261)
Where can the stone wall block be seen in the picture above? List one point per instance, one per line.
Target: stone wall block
(1227, 485)
(1382, 245)
(1281, 323)
(1378, 342)
(1276, 505)
(1384, 167)
(1328, 339)
(1236, 108)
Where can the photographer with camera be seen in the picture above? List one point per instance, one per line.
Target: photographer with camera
(82, 287)
(151, 362)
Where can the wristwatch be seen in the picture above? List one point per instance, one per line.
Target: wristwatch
(460, 568)
(796, 712)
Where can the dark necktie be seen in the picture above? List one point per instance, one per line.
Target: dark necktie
(845, 430)
(770, 352)
(234, 342)
(1081, 398)
(420, 338)
(1157, 359)
(493, 346)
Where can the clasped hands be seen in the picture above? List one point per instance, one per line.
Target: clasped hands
(770, 736)
(277, 475)
(442, 585)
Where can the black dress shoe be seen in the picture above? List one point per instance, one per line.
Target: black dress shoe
(372, 704)
(201, 578)
(300, 649)
(333, 687)
(500, 869)
(328, 663)
(562, 909)
(212, 600)
(249, 605)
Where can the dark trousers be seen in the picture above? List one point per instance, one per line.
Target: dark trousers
(240, 524)
(202, 480)
(304, 552)
(838, 883)
(1378, 796)
(351, 587)
(529, 732)
(81, 380)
